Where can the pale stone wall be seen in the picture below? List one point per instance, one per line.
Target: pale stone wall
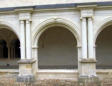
(42, 18)
(11, 22)
(39, 19)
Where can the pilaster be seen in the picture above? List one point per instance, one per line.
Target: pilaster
(26, 64)
(87, 70)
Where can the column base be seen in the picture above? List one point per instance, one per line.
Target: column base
(88, 67)
(26, 69)
(89, 81)
(27, 78)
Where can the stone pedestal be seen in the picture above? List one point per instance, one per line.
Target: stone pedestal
(26, 70)
(88, 81)
(88, 67)
(87, 72)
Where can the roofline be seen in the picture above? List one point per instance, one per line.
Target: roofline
(52, 6)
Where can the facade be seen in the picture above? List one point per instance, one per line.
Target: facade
(66, 40)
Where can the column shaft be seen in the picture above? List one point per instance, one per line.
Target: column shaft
(84, 38)
(28, 40)
(8, 52)
(1, 51)
(22, 40)
(90, 39)
(14, 52)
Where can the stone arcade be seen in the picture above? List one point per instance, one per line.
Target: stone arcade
(66, 41)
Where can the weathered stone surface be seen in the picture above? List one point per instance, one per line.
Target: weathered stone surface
(28, 78)
(10, 80)
(88, 81)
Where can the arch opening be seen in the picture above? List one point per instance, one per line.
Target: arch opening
(9, 49)
(104, 48)
(57, 49)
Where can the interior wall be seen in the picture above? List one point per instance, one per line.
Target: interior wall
(104, 48)
(57, 49)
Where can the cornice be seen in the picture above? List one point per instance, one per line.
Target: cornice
(58, 6)
(23, 10)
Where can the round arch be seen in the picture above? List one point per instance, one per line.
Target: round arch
(103, 47)
(56, 22)
(106, 22)
(10, 27)
(7, 29)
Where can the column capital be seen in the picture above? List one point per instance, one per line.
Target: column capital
(35, 47)
(94, 45)
(8, 44)
(21, 21)
(27, 22)
(81, 18)
(90, 18)
(79, 46)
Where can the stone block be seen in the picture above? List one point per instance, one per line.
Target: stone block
(28, 79)
(88, 81)
(88, 67)
(26, 71)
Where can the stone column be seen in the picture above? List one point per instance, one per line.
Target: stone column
(91, 56)
(28, 40)
(1, 51)
(22, 39)
(90, 39)
(14, 52)
(83, 69)
(9, 52)
(84, 38)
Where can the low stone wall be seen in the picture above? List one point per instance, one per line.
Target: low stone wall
(10, 80)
